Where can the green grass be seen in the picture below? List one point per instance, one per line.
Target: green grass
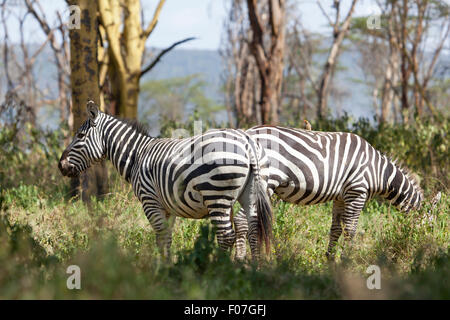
(42, 232)
(115, 247)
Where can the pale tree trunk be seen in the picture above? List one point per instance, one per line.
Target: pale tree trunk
(126, 50)
(322, 95)
(340, 30)
(391, 75)
(121, 20)
(85, 86)
(242, 74)
(405, 68)
(388, 90)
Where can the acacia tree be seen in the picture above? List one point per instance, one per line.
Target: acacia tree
(412, 24)
(85, 86)
(410, 61)
(340, 30)
(312, 79)
(122, 48)
(301, 85)
(241, 80)
(267, 46)
(378, 59)
(60, 48)
(18, 62)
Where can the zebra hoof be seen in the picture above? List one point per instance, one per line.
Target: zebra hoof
(330, 256)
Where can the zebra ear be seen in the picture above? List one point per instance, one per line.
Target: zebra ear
(92, 110)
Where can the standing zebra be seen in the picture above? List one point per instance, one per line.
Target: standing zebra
(309, 167)
(196, 177)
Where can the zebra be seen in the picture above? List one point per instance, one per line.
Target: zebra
(195, 177)
(310, 167)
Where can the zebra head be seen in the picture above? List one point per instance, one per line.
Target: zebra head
(86, 147)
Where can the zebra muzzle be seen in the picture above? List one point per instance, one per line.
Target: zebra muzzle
(67, 169)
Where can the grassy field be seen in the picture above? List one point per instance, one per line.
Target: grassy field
(114, 246)
(42, 233)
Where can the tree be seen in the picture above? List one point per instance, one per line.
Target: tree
(378, 61)
(60, 48)
(300, 85)
(122, 51)
(85, 86)
(340, 30)
(409, 30)
(253, 50)
(310, 84)
(267, 46)
(241, 81)
(411, 25)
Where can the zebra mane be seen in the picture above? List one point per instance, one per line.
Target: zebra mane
(139, 127)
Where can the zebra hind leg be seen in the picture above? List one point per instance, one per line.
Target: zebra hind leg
(220, 215)
(248, 201)
(241, 227)
(353, 208)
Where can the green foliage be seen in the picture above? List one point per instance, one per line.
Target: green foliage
(29, 157)
(24, 195)
(22, 261)
(168, 100)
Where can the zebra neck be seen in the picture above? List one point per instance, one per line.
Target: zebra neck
(123, 144)
(401, 189)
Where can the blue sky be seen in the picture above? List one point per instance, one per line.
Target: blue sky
(180, 19)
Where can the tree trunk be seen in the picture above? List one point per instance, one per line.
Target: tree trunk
(269, 58)
(322, 97)
(126, 47)
(339, 33)
(391, 74)
(84, 79)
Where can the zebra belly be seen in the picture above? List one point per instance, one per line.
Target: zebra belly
(302, 188)
(302, 196)
(217, 184)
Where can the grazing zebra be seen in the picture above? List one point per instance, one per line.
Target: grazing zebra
(196, 177)
(309, 167)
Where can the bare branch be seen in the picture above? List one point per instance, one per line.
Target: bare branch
(154, 21)
(330, 22)
(162, 53)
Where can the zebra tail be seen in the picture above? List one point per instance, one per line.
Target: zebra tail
(263, 203)
(264, 212)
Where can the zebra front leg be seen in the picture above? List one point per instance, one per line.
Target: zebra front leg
(336, 228)
(220, 215)
(353, 206)
(241, 227)
(162, 225)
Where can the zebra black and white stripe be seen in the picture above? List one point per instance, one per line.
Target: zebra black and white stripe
(309, 167)
(196, 177)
